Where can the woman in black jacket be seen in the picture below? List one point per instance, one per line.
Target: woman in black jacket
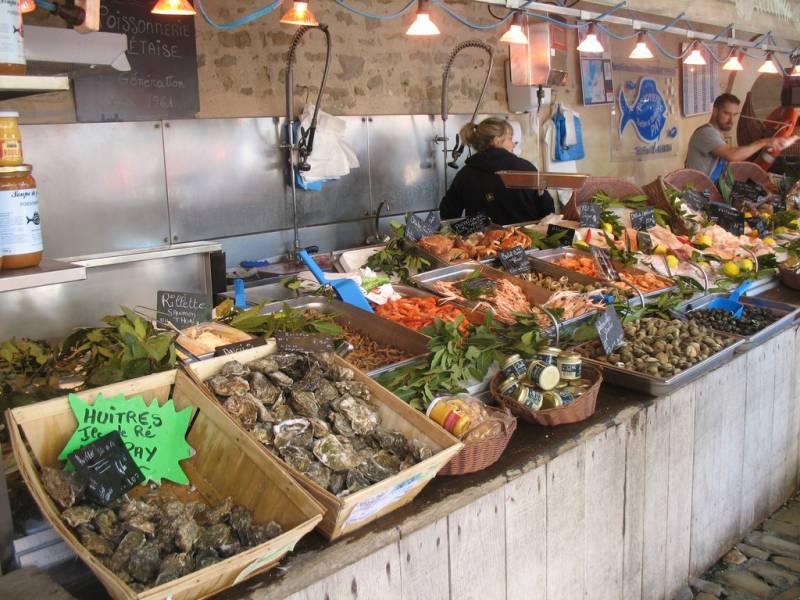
(476, 189)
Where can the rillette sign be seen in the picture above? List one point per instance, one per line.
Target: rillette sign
(183, 309)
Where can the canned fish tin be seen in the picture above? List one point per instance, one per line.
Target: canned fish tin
(544, 376)
(509, 386)
(551, 400)
(570, 366)
(549, 356)
(529, 397)
(514, 366)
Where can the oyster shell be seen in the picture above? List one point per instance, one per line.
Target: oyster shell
(326, 392)
(282, 413)
(341, 424)
(174, 566)
(242, 409)
(228, 386)
(141, 523)
(354, 388)
(304, 403)
(297, 458)
(78, 515)
(263, 433)
(96, 544)
(144, 563)
(294, 432)
(380, 466)
(186, 533)
(258, 534)
(311, 380)
(281, 379)
(216, 515)
(319, 427)
(258, 383)
(107, 524)
(285, 360)
(363, 418)
(419, 450)
(206, 558)
(389, 440)
(335, 452)
(121, 556)
(64, 487)
(174, 510)
(355, 481)
(320, 474)
(342, 373)
(241, 519)
(233, 368)
(214, 537)
(338, 483)
(265, 365)
(135, 507)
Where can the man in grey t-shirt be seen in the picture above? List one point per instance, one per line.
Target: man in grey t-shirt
(709, 153)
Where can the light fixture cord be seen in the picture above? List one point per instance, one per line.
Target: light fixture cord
(245, 20)
(406, 9)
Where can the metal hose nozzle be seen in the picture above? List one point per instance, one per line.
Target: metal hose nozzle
(446, 76)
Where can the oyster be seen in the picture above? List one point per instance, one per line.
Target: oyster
(64, 487)
(216, 515)
(294, 432)
(335, 453)
(355, 481)
(341, 424)
(194, 508)
(228, 386)
(311, 380)
(186, 532)
(241, 519)
(258, 383)
(230, 549)
(174, 567)
(297, 458)
(320, 474)
(206, 558)
(174, 510)
(121, 556)
(144, 563)
(242, 409)
(389, 440)
(214, 537)
(78, 515)
(281, 379)
(355, 388)
(264, 365)
(338, 483)
(304, 403)
(326, 392)
(419, 450)
(282, 413)
(262, 411)
(107, 524)
(234, 368)
(258, 534)
(263, 433)
(96, 544)
(141, 523)
(342, 373)
(363, 418)
(380, 466)
(136, 507)
(319, 427)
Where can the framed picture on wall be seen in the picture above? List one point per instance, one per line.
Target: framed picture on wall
(597, 86)
(699, 84)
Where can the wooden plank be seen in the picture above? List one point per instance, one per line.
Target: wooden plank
(478, 549)
(526, 536)
(782, 421)
(790, 481)
(605, 514)
(655, 499)
(566, 525)
(679, 497)
(731, 451)
(633, 528)
(423, 563)
(760, 386)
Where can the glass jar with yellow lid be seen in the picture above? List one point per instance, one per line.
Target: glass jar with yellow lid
(20, 224)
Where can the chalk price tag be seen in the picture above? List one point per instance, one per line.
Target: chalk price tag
(604, 265)
(418, 228)
(642, 220)
(694, 200)
(303, 342)
(590, 215)
(471, 225)
(239, 346)
(107, 468)
(747, 191)
(183, 309)
(609, 330)
(727, 217)
(567, 237)
(515, 261)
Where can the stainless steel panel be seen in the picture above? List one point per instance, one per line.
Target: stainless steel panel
(225, 177)
(403, 163)
(102, 186)
(53, 311)
(346, 199)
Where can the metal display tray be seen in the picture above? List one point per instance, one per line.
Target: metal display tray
(380, 330)
(657, 386)
(788, 312)
(542, 261)
(536, 295)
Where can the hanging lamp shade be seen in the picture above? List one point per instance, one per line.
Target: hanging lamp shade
(769, 66)
(641, 51)
(422, 24)
(795, 70)
(733, 63)
(590, 43)
(27, 6)
(515, 34)
(173, 7)
(695, 56)
(300, 14)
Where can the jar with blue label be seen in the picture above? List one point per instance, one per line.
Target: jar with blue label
(570, 366)
(20, 223)
(514, 366)
(543, 376)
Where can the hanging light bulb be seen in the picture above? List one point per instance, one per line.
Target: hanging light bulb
(173, 7)
(768, 66)
(300, 14)
(641, 50)
(590, 43)
(734, 63)
(695, 56)
(515, 34)
(27, 6)
(423, 25)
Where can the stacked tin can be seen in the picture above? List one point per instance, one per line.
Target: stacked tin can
(551, 380)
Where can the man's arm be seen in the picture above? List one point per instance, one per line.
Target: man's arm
(739, 153)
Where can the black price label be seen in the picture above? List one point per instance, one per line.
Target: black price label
(183, 309)
(694, 200)
(609, 330)
(418, 228)
(644, 241)
(747, 191)
(779, 202)
(727, 217)
(567, 234)
(604, 265)
(471, 225)
(303, 342)
(515, 261)
(642, 220)
(239, 346)
(590, 215)
(107, 467)
(757, 223)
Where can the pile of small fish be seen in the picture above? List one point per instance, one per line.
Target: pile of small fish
(157, 538)
(311, 413)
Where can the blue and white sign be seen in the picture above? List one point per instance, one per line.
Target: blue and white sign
(647, 114)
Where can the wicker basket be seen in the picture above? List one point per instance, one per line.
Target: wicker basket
(479, 455)
(682, 178)
(613, 186)
(578, 410)
(790, 277)
(657, 196)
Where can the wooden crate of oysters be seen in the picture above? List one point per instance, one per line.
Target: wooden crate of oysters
(360, 450)
(239, 515)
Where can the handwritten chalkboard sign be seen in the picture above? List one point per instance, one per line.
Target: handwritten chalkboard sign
(747, 191)
(727, 217)
(418, 228)
(590, 215)
(183, 309)
(107, 468)
(697, 202)
(609, 330)
(642, 220)
(162, 82)
(239, 346)
(604, 265)
(303, 342)
(567, 237)
(515, 261)
(471, 224)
